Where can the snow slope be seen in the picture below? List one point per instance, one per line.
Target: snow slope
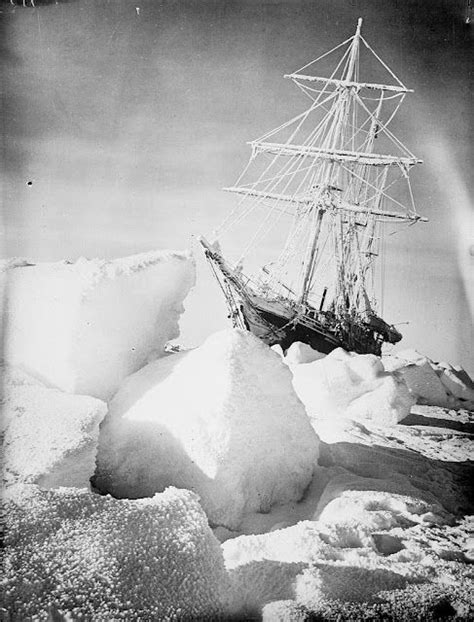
(49, 437)
(222, 420)
(97, 558)
(84, 326)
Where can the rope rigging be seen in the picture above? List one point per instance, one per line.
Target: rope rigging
(323, 173)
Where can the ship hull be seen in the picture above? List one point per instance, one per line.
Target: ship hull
(276, 320)
(318, 341)
(275, 328)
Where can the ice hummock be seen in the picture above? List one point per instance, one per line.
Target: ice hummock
(433, 383)
(71, 552)
(49, 437)
(222, 420)
(346, 384)
(84, 326)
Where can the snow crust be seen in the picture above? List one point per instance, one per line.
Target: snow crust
(92, 557)
(365, 541)
(82, 327)
(50, 438)
(380, 534)
(350, 385)
(222, 420)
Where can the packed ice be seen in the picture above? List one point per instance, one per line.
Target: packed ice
(231, 481)
(83, 327)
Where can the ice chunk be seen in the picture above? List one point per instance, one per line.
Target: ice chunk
(300, 353)
(98, 558)
(351, 385)
(278, 349)
(458, 384)
(84, 326)
(50, 437)
(222, 420)
(433, 384)
(424, 383)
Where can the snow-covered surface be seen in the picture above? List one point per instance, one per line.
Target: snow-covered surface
(222, 420)
(348, 385)
(385, 535)
(84, 326)
(98, 558)
(50, 438)
(361, 510)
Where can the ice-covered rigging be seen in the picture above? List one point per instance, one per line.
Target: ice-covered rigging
(321, 170)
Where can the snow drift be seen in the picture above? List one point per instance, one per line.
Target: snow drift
(97, 558)
(222, 420)
(49, 438)
(84, 326)
(357, 548)
(349, 385)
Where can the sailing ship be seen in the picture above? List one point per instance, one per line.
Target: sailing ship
(319, 178)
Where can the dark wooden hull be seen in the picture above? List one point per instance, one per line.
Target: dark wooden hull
(275, 320)
(273, 329)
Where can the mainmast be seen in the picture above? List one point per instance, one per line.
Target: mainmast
(321, 168)
(336, 130)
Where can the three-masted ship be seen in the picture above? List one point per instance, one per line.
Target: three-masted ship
(320, 179)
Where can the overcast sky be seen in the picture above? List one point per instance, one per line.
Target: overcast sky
(122, 121)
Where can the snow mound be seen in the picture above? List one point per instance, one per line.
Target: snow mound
(83, 327)
(350, 520)
(299, 353)
(299, 543)
(351, 385)
(360, 546)
(431, 383)
(222, 420)
(99, 558)
(49, 438)
(316, 586)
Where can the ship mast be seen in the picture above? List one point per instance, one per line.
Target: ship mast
(320, 169)
(338, 129)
